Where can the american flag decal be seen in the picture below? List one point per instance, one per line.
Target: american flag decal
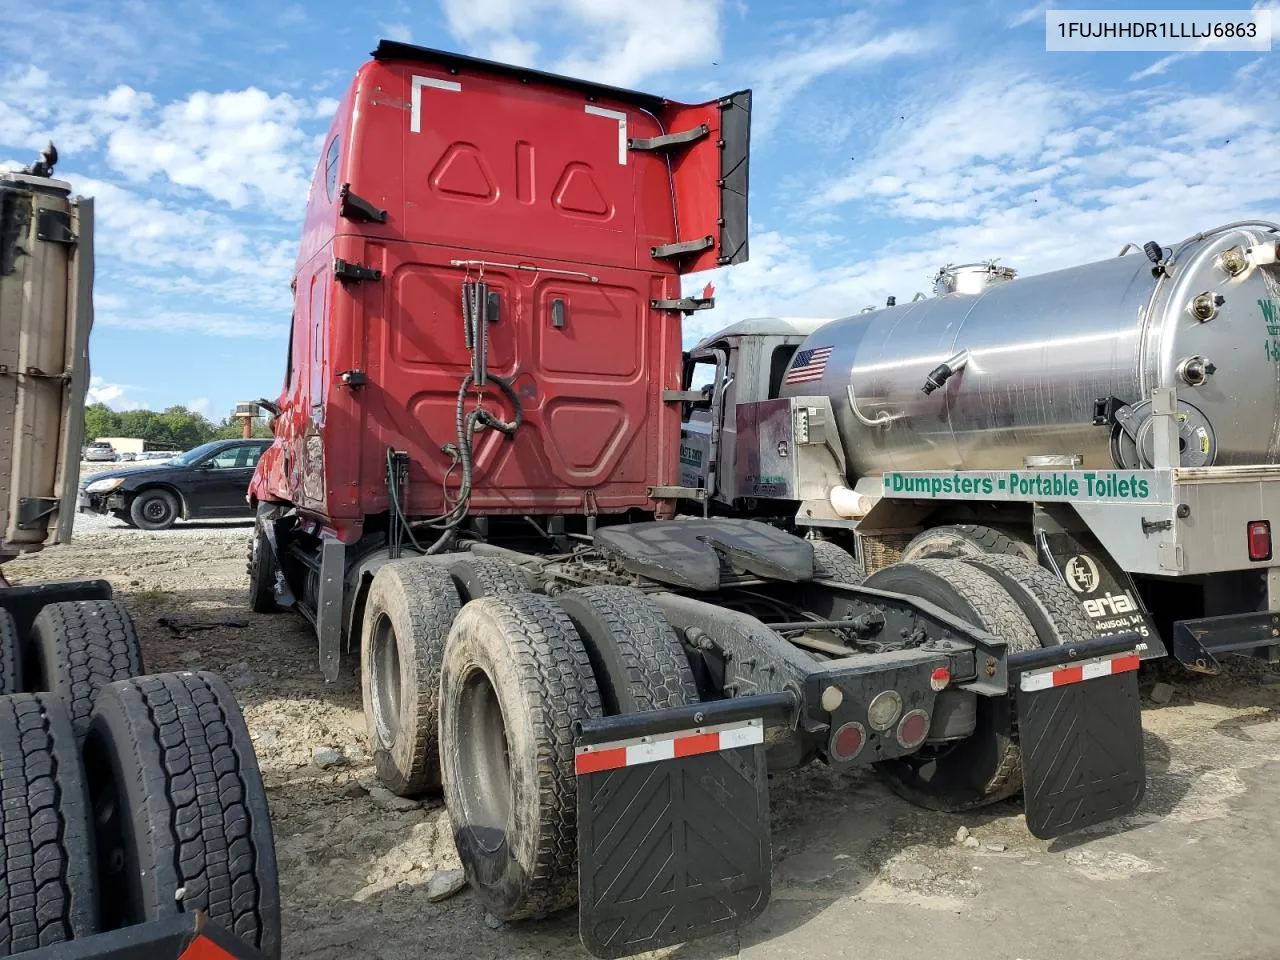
(809, 365)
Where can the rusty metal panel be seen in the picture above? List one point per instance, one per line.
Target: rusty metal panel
(37, 412)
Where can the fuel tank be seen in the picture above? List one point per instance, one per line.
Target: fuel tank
(1063, 364)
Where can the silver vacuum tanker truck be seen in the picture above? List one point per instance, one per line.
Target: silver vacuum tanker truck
(1118, 422)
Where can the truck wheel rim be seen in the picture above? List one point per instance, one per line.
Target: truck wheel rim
(484, 762)
(385, 682)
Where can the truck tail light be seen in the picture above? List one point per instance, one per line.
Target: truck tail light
(848, 741)
(1259, 537)
(913, 729)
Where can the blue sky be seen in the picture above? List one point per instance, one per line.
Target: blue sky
(889, 138)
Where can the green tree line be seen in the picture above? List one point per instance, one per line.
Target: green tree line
(176, 426)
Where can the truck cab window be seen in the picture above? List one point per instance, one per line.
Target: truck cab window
(331, 168)
(778, 364)
(701, 375)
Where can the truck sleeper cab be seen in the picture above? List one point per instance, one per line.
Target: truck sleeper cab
(473, 479)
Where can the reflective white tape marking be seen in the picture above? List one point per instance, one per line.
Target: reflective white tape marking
(622, 127)
(415, 98)
(742, 737)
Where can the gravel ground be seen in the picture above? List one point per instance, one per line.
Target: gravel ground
(857, 872)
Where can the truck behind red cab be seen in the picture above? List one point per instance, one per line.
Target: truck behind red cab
(580, 206)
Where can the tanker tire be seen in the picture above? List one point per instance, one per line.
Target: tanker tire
(10, 655)
(407, 615)
(262, 570)
(48, 890)
(154, 510)
(180, 813)
(955, 541)
(515, 680)
(477, 577)
(638, 662)
(1054, 612)
(984, 767)
(76, 648)
(833, 562)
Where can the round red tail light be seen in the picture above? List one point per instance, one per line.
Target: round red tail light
(940, 678)
(847, 742)
(913, 728)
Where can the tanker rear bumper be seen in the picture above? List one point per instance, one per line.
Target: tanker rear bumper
(1198, 644)
(673, 807)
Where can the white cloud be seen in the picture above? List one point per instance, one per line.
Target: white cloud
(851, 42)
(1207, 44)
(239, 147)
(631, 41)
(400, 32)
(114, 395)
(200, 405)
(615, 43)
(208, 324)
(1053, 176)
(174, 249)
(324, 108)
(1030, 14)
(941, 163)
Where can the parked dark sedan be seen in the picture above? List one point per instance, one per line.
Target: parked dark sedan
(209, 481)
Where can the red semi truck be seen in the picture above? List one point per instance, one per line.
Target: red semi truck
(474, 482)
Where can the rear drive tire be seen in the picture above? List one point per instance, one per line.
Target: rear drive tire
(10, 655)
(833, 562)
(515, 680)
(407, 615)
(638, 662)
(154, 510)
(262, 571)
(48, 891)
(180, 813)
(76, 648)
(984, 767)
(1054, 612)
(477, 577)
(956, 540)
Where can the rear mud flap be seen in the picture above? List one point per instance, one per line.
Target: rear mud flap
(672, 850)
(1080, 735)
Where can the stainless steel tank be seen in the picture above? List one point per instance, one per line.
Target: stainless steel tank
(1063, 364)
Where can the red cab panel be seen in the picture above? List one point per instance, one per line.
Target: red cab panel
(565, 199)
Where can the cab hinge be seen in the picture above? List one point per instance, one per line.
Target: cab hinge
(353, 378)
(669, 140)
(682, 248)
(682, 396)
(357, 208)
(686, 305)
(354, 272)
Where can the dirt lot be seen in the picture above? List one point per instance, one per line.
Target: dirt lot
(857, 872)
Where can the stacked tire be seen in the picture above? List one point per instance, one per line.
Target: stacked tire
(123, 798)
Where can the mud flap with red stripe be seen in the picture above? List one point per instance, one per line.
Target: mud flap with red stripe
(673, 832)
(1080, 736)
